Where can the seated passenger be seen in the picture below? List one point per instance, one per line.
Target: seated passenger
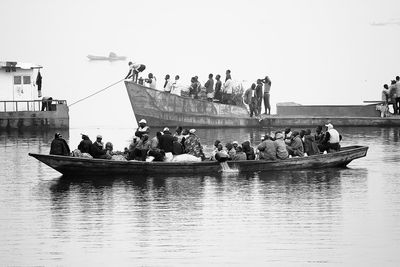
(166, 141)
(142, 129)
(296, 146)
(59, 146)
(154, 142)
(177, 147)
(97, 150)
(287, 136)
(85, 144)
(192, 145)
(280, 146)
(249, 150)
(240, 155)
(332, 139)
(267, 149)
(230, 150)
(219, 149)
(235, 145)
(141, 149)
(310, 146)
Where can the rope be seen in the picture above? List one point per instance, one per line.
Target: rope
(96, 92)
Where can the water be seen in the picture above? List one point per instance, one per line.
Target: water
(322, 217)
(226, 169)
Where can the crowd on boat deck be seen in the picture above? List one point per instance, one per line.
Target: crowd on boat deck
(185, 145)
(228, 92)
(390, 96)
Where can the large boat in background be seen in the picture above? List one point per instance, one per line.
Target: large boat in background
(21, 103)
(162, 109)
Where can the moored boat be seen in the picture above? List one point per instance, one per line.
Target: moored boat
(111, 57)
(100, 167)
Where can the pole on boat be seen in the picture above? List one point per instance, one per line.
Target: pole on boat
(95, 93)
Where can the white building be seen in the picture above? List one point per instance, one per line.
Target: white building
(18, 81)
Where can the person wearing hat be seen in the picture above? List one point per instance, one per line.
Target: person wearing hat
(142, 129)
(166, 141)
(85, 144)
(280, 146)
(97, 150)
(332, 139)
(134, 70)
(59, 146)
(192, 145)
(267, 148)
(235, 145)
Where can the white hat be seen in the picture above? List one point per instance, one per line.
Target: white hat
(142, 121)
(192, 131)
(166, 129)
(99, 136)
(235, 142)
(329, 125)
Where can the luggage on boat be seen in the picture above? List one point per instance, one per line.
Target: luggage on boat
(185, 158)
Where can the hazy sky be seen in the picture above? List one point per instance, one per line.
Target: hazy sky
(316, 52)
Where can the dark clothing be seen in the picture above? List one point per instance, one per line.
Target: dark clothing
(177, 148)
(218, 92)
(97, 151)
(259, 97)
(59, 147)
(84, 145)
(267, 105)
(39, 81)
(248, 150)
(310, 146)
(46, 102)
(166, 142)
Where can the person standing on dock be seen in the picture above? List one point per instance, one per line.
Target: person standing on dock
(397, 97)
(134, 70)
(267, 88)
(209, 85)
(151, 80)
(259, 95)
(167, 84)
(251, 99)
(228, 75)
(393, 96)
(218, 85)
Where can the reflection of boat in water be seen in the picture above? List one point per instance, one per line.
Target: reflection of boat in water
(112, 56)
(83, 166)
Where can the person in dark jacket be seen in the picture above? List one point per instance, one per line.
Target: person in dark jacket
(97, 150)
(310, 145)
(259, 95)
(85, 144)
(248, 150)
(166, 141)
(177, 147)
(59, 146)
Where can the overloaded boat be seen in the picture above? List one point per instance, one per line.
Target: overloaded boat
(162, 109)
(76, 166)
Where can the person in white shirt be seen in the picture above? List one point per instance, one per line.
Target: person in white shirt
(227, 90)
(167, 84)
(134, 69)
(176, 87)
(151, 80)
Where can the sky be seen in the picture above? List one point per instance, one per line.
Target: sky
(315, 52)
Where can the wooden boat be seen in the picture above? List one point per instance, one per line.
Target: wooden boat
(86, 167)
(164, 109)
(111, 57)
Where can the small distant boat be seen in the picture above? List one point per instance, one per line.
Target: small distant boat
(111, 57)
(83, 166)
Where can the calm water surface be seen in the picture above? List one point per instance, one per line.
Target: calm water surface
(326, 217)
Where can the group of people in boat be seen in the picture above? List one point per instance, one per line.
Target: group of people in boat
(391, 96)
(227, 92)
(185, 145)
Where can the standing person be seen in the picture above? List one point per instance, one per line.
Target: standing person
(228, 75)
(393, 96)
(259, 95)
(193, 88)
(218, 86)
(39, 83)
(134, 69)
(59, 146)
(176, 87)
(151, 80)
(227, 92)
(46, 102)
(167, 84)
(267, 89)
(397, 98)
(209, 85)
(251, 100)
(142, 129)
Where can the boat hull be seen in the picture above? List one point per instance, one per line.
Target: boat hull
(100, 167)
(163, 109)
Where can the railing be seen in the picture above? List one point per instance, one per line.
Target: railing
(29, 105)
